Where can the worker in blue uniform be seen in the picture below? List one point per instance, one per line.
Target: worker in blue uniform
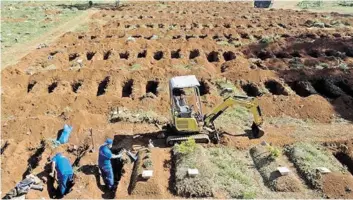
(65, 174)
(104, 163)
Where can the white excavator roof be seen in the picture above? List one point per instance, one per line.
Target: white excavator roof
(184, 81)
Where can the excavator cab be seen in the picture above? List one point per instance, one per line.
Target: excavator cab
(262, 3)
(185, 103)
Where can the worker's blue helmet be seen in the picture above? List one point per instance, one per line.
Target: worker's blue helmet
(109, 141)
(58, 154)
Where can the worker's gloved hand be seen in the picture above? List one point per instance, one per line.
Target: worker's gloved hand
(116, 155)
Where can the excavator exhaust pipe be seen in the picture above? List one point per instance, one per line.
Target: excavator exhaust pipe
(257, 131)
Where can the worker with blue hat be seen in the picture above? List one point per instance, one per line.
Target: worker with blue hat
(65, 174)
(104, 163)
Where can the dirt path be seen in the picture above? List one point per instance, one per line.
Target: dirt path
(12, 55)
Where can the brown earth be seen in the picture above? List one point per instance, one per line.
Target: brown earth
(39, 95)
(338, 186)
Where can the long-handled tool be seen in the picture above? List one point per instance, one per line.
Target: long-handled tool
(131, 155)
(92, 149)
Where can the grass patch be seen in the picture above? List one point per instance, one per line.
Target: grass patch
(221, 169)
(186, 147)
(135, 67)
(296, 63)
(307, 4)
(187, 67)
(346, 3)
(266, 40)
(139, 116)
(307, 157)
(21, 23)
(223, 43)
(223, 84)
(322, 66)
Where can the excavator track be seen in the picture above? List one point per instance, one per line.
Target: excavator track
(199, 138)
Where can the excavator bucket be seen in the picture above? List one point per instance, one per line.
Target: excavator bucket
(257, 131)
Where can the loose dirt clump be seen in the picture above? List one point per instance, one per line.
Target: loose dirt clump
(150, 159)
(337, 186)
(266, 161)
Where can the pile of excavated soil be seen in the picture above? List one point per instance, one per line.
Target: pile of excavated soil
(338, 186)
(155, 187)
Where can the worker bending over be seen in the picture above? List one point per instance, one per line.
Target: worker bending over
(104, 163)
(62, 168)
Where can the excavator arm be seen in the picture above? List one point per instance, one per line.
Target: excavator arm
(248, 102)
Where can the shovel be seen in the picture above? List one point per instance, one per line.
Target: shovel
(131, 155)
(92, 150)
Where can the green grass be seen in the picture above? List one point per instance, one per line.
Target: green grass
(186, 147)
(266, 40)
(139, 116)
(221, 169)
(307, 4)
(135, 67)
(322, 66)
(181, 66)
(223, 43)
(21, 23)
(296, 63)
(341, 6)
(346, 3)
(222, 84)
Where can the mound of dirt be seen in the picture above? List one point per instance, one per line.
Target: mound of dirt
(155, 187)
(338, 186)
(267, 167)
(307, 157)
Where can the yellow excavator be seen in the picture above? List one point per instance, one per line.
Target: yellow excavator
(188, 119)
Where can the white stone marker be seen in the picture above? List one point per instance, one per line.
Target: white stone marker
(146, 174)
(283, 170)
(193, 172)
(323, 170)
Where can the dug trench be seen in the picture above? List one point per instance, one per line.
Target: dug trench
(34, 160)
(128, 174)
